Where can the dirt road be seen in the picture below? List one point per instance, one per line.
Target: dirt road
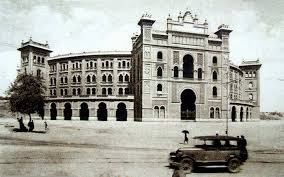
(132, 149)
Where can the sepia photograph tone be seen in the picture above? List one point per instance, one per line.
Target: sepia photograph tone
(141, 88)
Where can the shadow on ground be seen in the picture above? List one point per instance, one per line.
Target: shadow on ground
(20, 130)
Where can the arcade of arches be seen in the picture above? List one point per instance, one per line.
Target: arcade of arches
(84, 112)
(240, 113)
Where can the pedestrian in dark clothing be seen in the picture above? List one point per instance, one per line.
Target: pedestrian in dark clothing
(45, 125)
(31, 125)
(22, 125)
(244, 141)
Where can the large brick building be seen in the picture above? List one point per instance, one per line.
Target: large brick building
(181, 73)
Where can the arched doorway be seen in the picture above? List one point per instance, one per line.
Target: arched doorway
(188, 108)
(233, 114)
(188, 67)
(53, 111)
(67, 111)
(102, 112)
(241, 114)
(156, 112)
(84, 112)
(121, 112)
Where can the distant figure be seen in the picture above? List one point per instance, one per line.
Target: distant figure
(243, 141)
(31, 125)
(45, 125)
(22, 125)
(185, 136)
(238, 141)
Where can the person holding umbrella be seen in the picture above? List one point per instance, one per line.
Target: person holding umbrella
(185, 136)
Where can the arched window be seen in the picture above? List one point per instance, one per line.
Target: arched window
(250, 85)
(93, 91)
(188, 67)
(123, 64)
(88, 78)
(175, 71)
(126, 91)
(126, 78)
(159, 72)
(87, 65)
(51, 81)
(62, 80)
(65, 92)
(66, 80)
(93, 78)
(79, 79)
(79, 91)
(54, 81)
(91, 64)
(215, 77)
(128, 64)
(74, 91)
(159, 55)
(217, 110)
(214, 91)
(104, 91)
(111, 64)
(199, 73)
(107, 64)
(159, 87)
(120, 78)
(38, 73)
(156, 112)
(119, 64)
(61, 92)
(120, 91)
(104, 78)
(88, 91)
(74, 79)
(109, 78)
(42, 60)
(95, 65)
(214, 60)
(162, 112)
(109, 90)
(254, 74)
(54, 92)
(212, 113)
(38, 59)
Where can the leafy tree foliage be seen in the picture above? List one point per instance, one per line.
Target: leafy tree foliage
(26, 95)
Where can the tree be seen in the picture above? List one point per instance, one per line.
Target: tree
(26, 95)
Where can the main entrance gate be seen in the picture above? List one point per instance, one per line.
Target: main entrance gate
(188, 108)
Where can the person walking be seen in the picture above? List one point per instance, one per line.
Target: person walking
(45, 126)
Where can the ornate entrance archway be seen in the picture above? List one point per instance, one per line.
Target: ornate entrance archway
(188, 108)
(121, 112)
(53, 111)
(102, 112)
(67, 111)
(233, 114)
(84, 112)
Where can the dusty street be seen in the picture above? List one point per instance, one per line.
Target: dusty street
(133, 149)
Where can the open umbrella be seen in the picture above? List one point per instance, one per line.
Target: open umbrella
(185, 131)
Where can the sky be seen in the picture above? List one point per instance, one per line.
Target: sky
(91, 25)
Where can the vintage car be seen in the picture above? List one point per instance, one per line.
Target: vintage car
(216, 150)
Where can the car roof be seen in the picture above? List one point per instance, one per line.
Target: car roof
(218, 137)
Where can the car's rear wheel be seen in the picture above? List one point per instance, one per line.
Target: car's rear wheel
(234, 165)
(187, 165)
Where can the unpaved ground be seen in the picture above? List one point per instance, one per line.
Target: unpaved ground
(133, 149)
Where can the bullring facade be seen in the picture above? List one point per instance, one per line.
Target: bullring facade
(181, 73)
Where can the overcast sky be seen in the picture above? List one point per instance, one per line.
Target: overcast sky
(90, 25)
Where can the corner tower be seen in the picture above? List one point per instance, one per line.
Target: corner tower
(34, 57)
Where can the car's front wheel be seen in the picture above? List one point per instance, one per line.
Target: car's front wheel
(187, 165)
(234, 165)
